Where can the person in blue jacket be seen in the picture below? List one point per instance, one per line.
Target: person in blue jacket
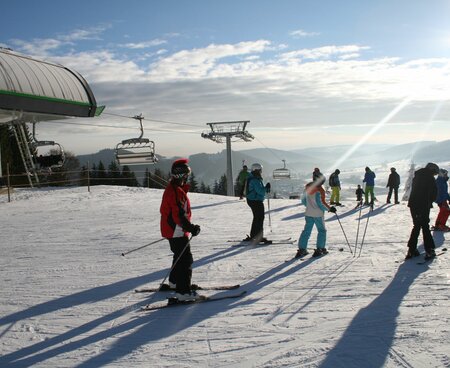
(256, 193)
(369, 179)
(442, 200)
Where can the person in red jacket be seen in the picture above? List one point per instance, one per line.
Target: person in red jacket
(176, 225)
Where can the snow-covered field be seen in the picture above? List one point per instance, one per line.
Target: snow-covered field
(68, 300)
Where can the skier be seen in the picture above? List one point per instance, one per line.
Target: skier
(335, 186)
(359, 196)
(317, 176)
(175, 226)
(369, 179)
(314, 199)
(442, 200)
(242, 177)
(256, 193)
(423, 194)
(393, 184)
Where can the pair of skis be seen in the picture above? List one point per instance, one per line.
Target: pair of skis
(243, 243)
(172, 301)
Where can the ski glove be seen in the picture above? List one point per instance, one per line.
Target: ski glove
(332, 209)
(268, 188)
(193, 229)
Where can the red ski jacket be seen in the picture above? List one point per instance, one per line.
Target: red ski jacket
(175, 211)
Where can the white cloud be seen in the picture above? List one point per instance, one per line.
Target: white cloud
(301, 33)
(144, 44)
(324, 52)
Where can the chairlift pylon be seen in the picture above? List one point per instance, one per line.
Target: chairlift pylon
(282, 173)
(136, 151)
(52, 158)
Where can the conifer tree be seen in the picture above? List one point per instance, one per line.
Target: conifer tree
(101, 174)
(193, 183)
(129, 178)
(114, 174)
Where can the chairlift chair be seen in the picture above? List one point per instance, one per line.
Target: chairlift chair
(136, 151)
(282, 173)
(52, 157)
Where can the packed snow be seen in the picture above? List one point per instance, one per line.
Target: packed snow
(68, 300)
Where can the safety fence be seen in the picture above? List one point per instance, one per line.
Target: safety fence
(82, 178)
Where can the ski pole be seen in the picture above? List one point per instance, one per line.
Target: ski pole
(357, 231)
(146, 245)
(365, 229)
(268, 207)
(175, 263)
(349, 247)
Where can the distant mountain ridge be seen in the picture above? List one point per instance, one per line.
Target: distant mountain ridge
(210, 167)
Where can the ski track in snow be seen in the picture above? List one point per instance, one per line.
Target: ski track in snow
(67, 297)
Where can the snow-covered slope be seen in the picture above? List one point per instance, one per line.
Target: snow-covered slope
(67, 294)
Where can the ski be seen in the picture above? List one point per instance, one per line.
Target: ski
(430, 259)
(249, 242)
(166, 287)
(242, 243)
(173, 302)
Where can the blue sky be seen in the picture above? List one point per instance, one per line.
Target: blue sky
(305, 73)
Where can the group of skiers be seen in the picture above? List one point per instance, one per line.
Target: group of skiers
(176, 222)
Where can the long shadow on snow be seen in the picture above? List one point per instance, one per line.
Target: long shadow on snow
(15, 359)
(369, 337)
(364, 212)
(150, 327)
(214, 204)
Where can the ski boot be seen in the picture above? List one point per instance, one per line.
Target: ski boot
(412, 253)
(301, 253)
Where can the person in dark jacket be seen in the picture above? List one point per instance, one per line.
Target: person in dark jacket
(175, 226)
(369, 179)
(317, 177)
(423, 194)
(242, 178)
(393, 184)
(442, 200)
(335, 185)
(256, 193)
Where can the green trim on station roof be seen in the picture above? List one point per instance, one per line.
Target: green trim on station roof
(45, 98)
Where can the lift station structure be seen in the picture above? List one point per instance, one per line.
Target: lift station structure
(227, 130)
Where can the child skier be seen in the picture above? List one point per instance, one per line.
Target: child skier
(359, 196)
(314, 199)
(175, 226)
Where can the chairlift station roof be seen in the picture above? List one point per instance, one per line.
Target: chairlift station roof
(31, 89)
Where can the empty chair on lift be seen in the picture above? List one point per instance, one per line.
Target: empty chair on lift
(136, 151)
(282, 173)
(53, 157)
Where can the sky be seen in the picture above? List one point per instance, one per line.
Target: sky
(304, 73)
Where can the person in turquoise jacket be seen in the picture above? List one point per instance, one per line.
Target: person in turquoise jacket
(369, 179)
(256, 193)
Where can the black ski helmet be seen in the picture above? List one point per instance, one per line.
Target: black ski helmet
(180, 168)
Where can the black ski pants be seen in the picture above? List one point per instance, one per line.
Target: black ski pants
(395, 189)
(257, 229)
(421, 221)
(181, 273)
